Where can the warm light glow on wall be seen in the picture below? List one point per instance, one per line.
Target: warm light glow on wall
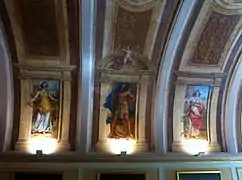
(46, 144)
(195, 146)
(116, 146)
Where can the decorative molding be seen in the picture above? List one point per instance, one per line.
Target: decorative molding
(137, 5)
(33, 67)
(199, 75)
(136, 64)
(229, 4)
(199, 81)
(74, 159)
(62, 73)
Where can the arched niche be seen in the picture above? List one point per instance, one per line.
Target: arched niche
(133, 72)
(207, 78)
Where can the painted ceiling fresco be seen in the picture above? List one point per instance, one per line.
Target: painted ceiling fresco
(129, 29)
(213, 38)
(39, 29)
(131, 38)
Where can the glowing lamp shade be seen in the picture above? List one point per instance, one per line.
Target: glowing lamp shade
(116, 146)
(45, 144)
(194, 146)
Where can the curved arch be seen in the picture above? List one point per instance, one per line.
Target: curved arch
(6, 95)
(231, 97)
(228, 4)
(164, 76)
(138, 5)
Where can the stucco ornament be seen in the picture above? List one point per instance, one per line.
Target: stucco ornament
(137, 5)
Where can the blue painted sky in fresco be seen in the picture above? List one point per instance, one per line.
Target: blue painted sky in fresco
(204, 90)
(53, 85)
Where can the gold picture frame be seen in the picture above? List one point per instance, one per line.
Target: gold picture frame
(200, 174)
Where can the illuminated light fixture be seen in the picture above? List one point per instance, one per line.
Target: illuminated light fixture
(195, 146)
(39, 152)
(44, 145)
(121, 146)
(123, 153)
(200, 154)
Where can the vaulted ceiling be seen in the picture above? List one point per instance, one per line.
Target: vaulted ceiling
(200, 39)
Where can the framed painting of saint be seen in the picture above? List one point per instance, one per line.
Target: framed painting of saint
(120, 104)
(199, 175)
(195, 118)
(45, 105)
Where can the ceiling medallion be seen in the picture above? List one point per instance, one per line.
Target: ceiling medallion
(137, 5)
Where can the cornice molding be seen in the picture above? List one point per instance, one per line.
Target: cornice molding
(74, 157)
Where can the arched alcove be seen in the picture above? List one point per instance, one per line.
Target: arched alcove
(194, 65)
